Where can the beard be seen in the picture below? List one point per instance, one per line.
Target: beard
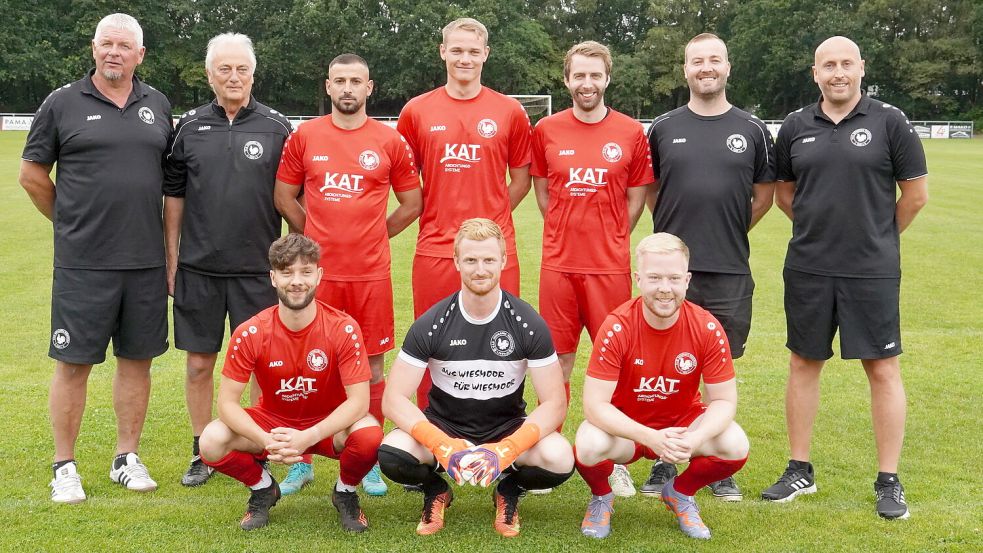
(111, 75)
(295, 306)
(350, 108)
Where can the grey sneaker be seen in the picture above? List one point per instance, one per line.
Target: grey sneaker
(890, 500)
(258, 510)
(597, 519)
(798, 479)
(661, 473)
(686, 511)
(198, 473)
(726, 489)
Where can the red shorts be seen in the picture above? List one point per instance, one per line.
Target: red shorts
(268, 420)
(370, 303)
(435, 278)
(687, 419)
(570, 302)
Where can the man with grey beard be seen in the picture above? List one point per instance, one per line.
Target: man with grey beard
(108, 133)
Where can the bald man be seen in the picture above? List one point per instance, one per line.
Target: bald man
(838, 163)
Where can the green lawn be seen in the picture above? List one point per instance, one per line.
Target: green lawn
(941, 464)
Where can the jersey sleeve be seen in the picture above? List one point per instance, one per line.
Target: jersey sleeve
(653, 140)
(42, 141)
(291, 170)
(175, 167)
(406, 126)
(641, 173)
(610, 350)
(417, 346)
(539, 166)
(520, 138)
(764, 153)
(783, 151)
(403, 174)
(907, 152)
(537, 341)
(353, 362)
(718, 366)
(242, 354)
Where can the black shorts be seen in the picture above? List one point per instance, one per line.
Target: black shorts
(864, 309)
(492, 435)
(201, 303)
(88, 308)
(728, 298)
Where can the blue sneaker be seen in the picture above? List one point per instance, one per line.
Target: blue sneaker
(597, 519)
(373, 484)
(686, 511)
(300, 475)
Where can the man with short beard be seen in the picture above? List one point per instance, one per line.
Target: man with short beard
(108, 133)
(642, 392)
(223, 160)
(715, 165)
(478, 344)
(590, 166)
(345, 164)
(310, 363)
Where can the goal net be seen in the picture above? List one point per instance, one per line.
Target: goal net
(537, 106)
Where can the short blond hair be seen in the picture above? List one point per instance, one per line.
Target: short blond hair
(479, 229)
(590, 49)
(661, 243)
(466, 24)
(702, 37)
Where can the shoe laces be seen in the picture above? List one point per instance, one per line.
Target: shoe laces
(791, 475)
(891, 488)
(136, 471)
(259, 499)
(373, 477)
(661, 471)
(66, 483)
(349, 503)
(298, 471)
(622, 476)
(511, 507)
(597, 507)
(726, 483)
(428, 505)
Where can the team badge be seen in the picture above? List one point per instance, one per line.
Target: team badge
(487, 128)
(685, 363)
(60, 338)
(737, 143)
(611, 152)
(317, 360)
(502, 343)
(860, 137)
(369, 160)
(146, 115)
(253, 150)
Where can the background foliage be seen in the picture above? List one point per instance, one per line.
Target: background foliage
(924, 56)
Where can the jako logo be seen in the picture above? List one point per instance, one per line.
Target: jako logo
(276, 364)
(438, 128)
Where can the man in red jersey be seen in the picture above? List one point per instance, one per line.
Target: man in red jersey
(642, 392)
(465, 137)
(310, 363)
(346, 163)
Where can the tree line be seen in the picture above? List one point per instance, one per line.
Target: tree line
(923, 56)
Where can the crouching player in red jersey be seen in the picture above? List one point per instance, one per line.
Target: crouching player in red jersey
(310, 363)
(641, 393)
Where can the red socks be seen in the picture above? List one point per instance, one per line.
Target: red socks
(704, 470)
(360, 454)
(596, 476)
(239, 465)
(375, 400)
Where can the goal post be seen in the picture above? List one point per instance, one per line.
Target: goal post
(537, 106)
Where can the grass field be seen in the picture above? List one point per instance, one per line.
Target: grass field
(941, 464)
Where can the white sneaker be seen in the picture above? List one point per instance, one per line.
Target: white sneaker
(133, 475)
(620, 481)
(66, 487)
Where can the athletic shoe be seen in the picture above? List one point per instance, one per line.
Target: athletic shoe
(433, 512)
(198, 473)
(66, 486)
(798, 479)
(133, 475)
(413, 488)
(620, 481)
(890, 500)
(686, 511)
(299, 475)
(726, 489)
(349, 512)
(258, 510)
(506, 514)
(373, 484)
(597, 519)
(661, 473)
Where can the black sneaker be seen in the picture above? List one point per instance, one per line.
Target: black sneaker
(198, 473)
(349, 512)
(661, 473)
(890, 499)
(258, 511)
(726, 489)
(798, 479)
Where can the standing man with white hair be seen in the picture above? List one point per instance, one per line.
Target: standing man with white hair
(108, 133)
(223, 162)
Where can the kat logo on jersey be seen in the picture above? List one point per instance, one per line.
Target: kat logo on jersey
(297, 388)
(461, 152)
(587, 176)
(649, 389)
(343, 181)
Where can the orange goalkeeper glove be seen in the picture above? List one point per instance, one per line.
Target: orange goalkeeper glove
(441, 445)
(489, 460)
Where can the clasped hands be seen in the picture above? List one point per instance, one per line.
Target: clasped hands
(287, 445)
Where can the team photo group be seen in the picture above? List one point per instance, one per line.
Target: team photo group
(143, 210)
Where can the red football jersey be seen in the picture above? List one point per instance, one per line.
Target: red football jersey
(302, 375)
(658, 371)
(346, 176)
(464, 148)
(590, 167)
